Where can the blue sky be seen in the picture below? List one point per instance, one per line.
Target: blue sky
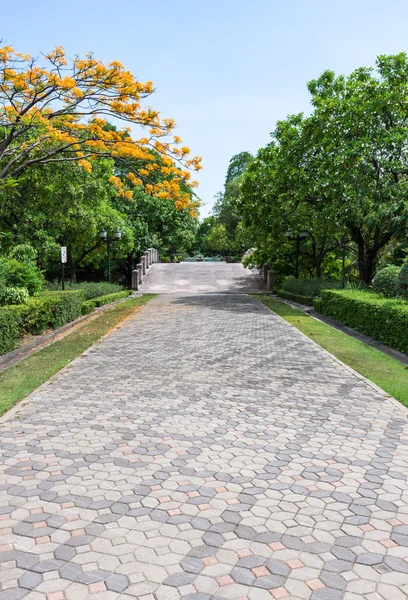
(226, 70)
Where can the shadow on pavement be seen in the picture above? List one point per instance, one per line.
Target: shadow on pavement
(228, 302)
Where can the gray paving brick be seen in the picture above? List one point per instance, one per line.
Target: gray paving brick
(205, 450)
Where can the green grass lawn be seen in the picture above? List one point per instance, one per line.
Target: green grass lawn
(387, 373)
(20, 380)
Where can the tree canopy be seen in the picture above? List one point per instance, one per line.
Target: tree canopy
(58, 110)
(338, 176)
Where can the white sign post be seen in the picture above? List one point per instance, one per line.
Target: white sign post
(63, 261)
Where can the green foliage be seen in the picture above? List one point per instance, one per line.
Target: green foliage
(18, 273)
(23, 252)
(339, 175)
(59, 204)
(91, 289)
(385, 282)
(50, 310)
(384, 319)
(10, 328)
(216, 239)
(308, 287)
(13, 295)
(102, 300)
(222, 231)
(87, 307)
(402, 283)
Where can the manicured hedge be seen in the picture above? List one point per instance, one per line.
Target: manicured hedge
(87, 307)
(384, 319)
(10, 328)
(50, 310)
(91, 289)
(307, 300)
(102, 300)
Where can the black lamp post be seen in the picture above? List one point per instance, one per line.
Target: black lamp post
(301, 235)
(108, 241)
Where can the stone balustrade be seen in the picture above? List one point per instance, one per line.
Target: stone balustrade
(148, 258)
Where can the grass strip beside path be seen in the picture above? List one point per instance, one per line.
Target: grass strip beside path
(386, 372)
(20, 380)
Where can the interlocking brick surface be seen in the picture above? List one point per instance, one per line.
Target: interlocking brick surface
(205, 450)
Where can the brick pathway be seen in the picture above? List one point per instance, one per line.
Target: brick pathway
(206, 450)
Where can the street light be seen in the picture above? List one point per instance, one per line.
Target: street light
(108, 241)
(300, 235)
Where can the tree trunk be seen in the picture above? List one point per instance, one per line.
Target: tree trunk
(366, 267)
(319, 269)
(367, 258)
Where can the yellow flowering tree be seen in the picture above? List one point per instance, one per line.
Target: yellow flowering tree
(58, 109)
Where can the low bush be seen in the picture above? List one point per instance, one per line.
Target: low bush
(384, 319)
(91, 289)
(102, 300)
(402, 282)
(308, 287)
(307, 300)
(87, 307)
(13, 295)
(10, 328)
(49, 310)
(19, 273)
(386, 280)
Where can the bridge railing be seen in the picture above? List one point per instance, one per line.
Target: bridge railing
(268, 276)
(148, 258)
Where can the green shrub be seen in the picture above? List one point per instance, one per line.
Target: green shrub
(91, 289)
(13, 295)
(317, 304)
(10, 328)
(67, 309)
(87, 307)
(24, 252)
(51, 310)
(17, 273)
(402, 283)
(308, 287)
(384, 319)
(307, 300)
(385, 282)
(102, 300)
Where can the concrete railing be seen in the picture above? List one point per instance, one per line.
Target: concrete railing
(148, 258)
(268, 277)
